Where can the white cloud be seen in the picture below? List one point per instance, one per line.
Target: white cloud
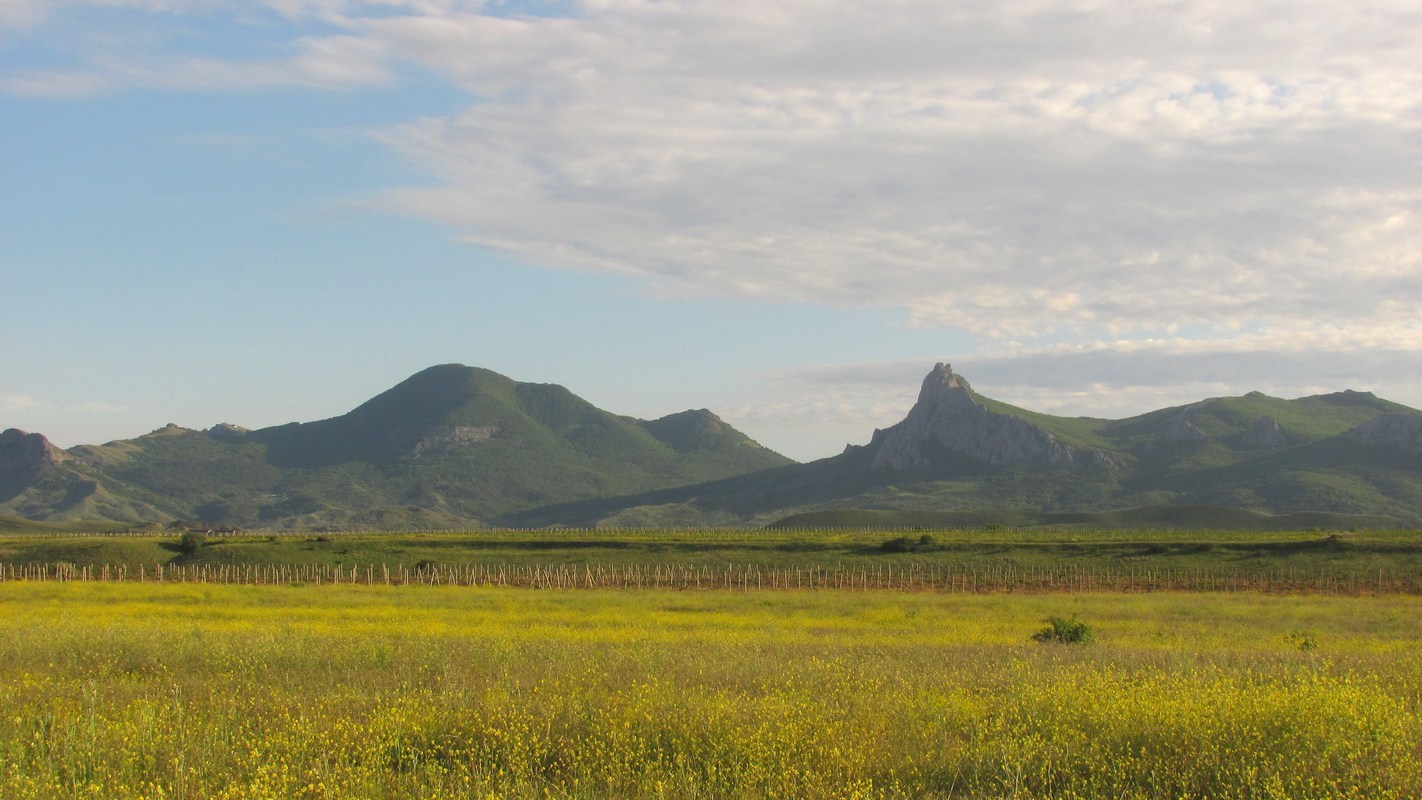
(99, 407)
(1013, 171)
(20, 14)
(1028, 171)
(157, 44)
(54, 83)
(15, 403)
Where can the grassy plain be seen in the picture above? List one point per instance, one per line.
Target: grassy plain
(1341, 554)
(129, 690)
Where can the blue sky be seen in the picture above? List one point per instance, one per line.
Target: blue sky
(262, 212)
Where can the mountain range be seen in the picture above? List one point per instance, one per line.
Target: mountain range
(452, 446)
(456, 446)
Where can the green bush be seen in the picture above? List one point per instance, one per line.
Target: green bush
(907, 544)
(190, 541)
(1065, 631)
(898, 544)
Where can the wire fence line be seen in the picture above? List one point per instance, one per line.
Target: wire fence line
(738, 577)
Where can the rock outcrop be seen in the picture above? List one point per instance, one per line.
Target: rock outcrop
(948, 416)
(446, 438)
(1180, 428)
(1265, 433)
(227, 432)
(1401, 431)
(30, 449)
(23, 458)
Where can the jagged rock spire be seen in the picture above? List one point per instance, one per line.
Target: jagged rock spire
(948, 416)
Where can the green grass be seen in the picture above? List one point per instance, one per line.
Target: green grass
(19, 525)
(127, 691)
(1327, 559)
(1076, 431)
(1183, 517)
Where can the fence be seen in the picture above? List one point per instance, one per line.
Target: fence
(912, 577)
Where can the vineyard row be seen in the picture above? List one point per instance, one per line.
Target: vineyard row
(913, 577)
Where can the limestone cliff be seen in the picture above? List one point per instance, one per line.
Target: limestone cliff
(948, 416)
(24, 457)
(1265, 433)
(1402, 431)
(28, 449)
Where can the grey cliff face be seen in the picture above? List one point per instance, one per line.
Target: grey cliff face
(227, 432)
(1265, 433)
(1181, 429)
(1402, 431)
(949, 416)
(20, 448)
(447, 438)
(23, 456)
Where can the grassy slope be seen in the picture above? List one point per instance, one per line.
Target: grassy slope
(559, 461)
(1224, 470)
(20, 525)
(375, 468)
(1076, 431)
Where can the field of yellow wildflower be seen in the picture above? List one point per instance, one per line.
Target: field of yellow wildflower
(125, 690)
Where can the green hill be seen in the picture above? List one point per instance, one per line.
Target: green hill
(1349, 456)
(457, 447)
(451, 446)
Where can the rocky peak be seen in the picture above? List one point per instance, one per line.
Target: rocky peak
(942, 380)
(227, 432)
(23, 458)
(171, 429)
(18, 447)
(943, 396)
(948, 416)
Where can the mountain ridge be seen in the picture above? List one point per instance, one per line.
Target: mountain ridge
(1347, 453)
(449, 446)
(457, 446)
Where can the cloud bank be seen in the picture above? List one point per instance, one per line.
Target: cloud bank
(1017, 170)
(1014, 169)
(1229, 189)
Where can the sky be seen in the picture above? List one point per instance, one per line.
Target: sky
(267, 211)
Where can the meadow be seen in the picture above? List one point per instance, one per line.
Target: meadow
(1333, 560)
(193, 690)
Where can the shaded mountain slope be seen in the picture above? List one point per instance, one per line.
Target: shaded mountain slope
(451, 446)
(956, 451)
(455, 446)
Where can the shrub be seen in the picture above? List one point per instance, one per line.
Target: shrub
(190, 541)
(1065, 631)
(898, 544)
(907, 544)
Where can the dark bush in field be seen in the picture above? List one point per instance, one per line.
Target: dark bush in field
(1065, 631)
(190, 541)
(907, 544)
